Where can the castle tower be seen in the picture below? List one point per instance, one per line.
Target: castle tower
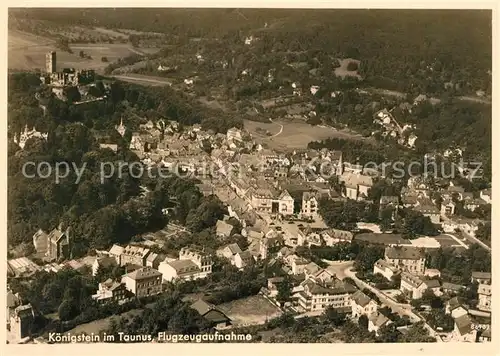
(121, 129)
(50, 62)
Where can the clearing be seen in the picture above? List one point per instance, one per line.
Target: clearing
(289, 135)
(253, 310)
(343, 72)
(27, 52)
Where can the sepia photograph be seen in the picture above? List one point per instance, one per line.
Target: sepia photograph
(249, 175)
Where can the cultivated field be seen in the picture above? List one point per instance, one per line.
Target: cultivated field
(253, 310)
(27, 52)
(286, 135)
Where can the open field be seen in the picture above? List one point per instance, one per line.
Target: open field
(102, 324)
(27, 51)
(342, 70)
(287, 135)
(253, 310)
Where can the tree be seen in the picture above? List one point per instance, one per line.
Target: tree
(333, 317)
(483, 232)
(415, 224)
(82, 54)
(104, 59)
(363, 322)
(67, 310)
(284, 290)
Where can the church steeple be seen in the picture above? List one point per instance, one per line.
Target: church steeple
(121, 128)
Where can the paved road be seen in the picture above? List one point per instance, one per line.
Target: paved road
(470, 237)
(401, 309)
(142, 80)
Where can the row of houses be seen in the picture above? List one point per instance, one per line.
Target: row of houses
(148, 271)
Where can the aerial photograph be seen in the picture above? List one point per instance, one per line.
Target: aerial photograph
(247, 175)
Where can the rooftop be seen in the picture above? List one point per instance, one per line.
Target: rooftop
(361, 298)
(143, 273)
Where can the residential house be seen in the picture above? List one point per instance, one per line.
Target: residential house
(377, 321)
(111, 291)
(143, 282)
(193, 263)
(451, 287)
(298, 265)
(385, 269)
(428, 209)
(184, 270)
(228, 251)
(361, 304)
(310, 204)
(415, 286)
(455, 308)
(272, 285)
(407, 258)
(268, 200)
(481, 277)
(356, 185)
(116, 252)
(485, 335)
(212, 314)
(133, 255)
(448, 207)
(243, 259)
(432, 272)
(153, 260)
(234, 134)
(311, 269)
(53, 246)
(412, 285)
(102, 262)
(40, 241)
(484, 294)
(21, 321)
(464, 330)
(223, 229)
(318, 295)
(334, 236)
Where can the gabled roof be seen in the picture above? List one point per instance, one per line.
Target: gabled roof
(481, 275)
(361, 298)
(144, 273)
(56, 235)
(234, 248)
(432, 283)
(106, 261)
(116, 250)
(378, 319)
(464, 324)
(209, 312)
(223, 228)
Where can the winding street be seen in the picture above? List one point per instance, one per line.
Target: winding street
(401, 309)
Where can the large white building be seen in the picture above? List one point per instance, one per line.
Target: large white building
(271, 202)
(143, 282)
(193, 263)
(406, 258)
